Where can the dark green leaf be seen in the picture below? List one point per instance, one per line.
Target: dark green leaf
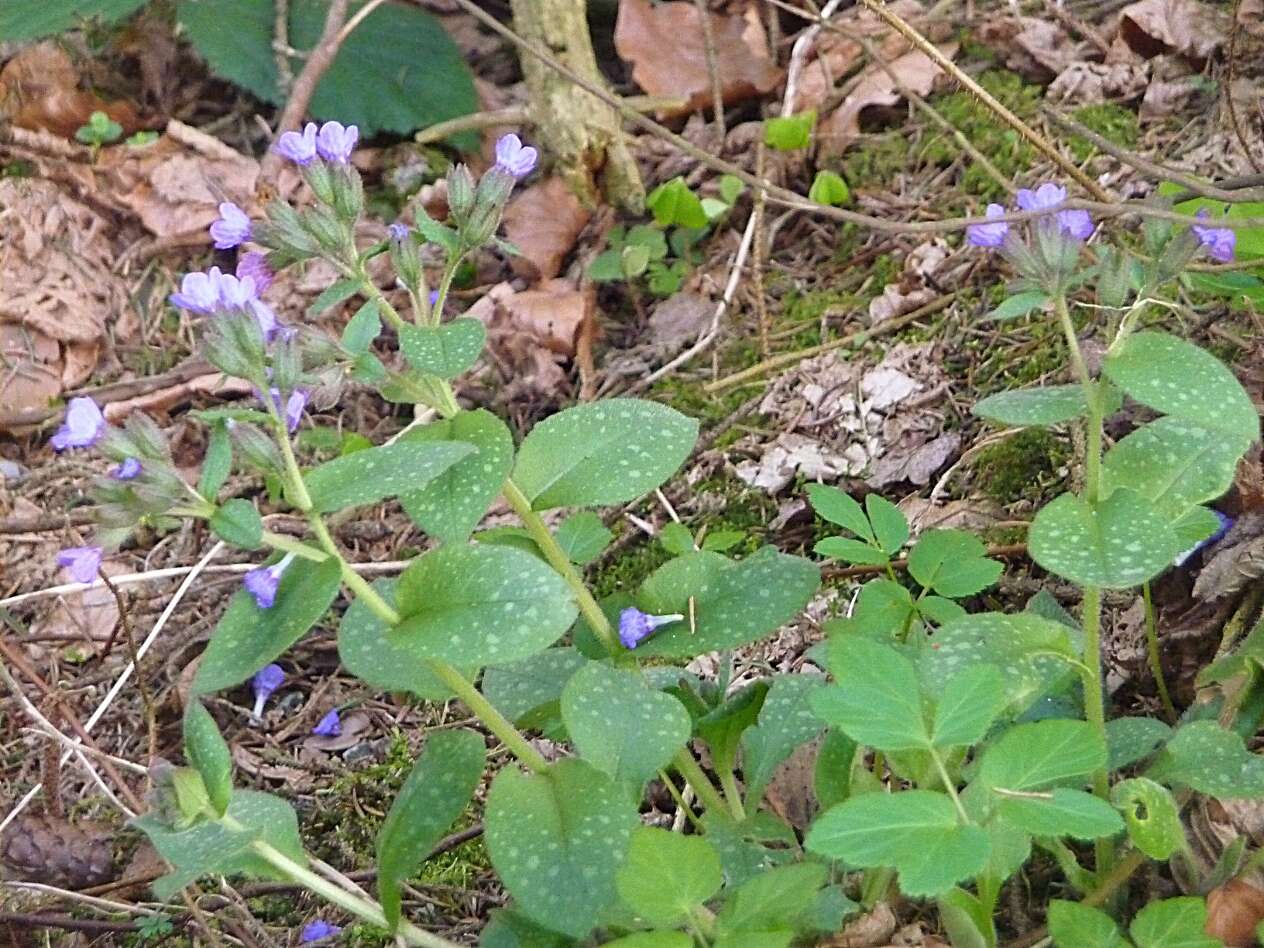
(208, 753)
(217, 462)
(833, 505)
(518, 688)
(1080, 926)
(583, 537)
(446, 350)
(27, 21)
(237, 522)
(370, 475)
(1050, 405)
(786, 720)
(1020, 304)
(1173, 923)
(1130, 739)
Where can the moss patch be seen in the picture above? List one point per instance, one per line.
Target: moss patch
(1024, 466)
(1113, 122)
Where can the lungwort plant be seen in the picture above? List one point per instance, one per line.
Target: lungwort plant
(953, 748)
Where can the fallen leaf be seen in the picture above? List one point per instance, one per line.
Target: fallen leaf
(896, 300)
(680, 319)
(664, 44)
(876, 89)
(794, 455)
(39, 89)
(295, 779)
(915, 463)
(553, 314)
(1094, 83)
(216, 384)
(1034, 48)
(1151, 27)
(973, 515)
(1233, 912)
(1234, 562)
(544, 222)
(31, 376)
(874, 928)
(90, 616)
(354, 727)
(791, 794)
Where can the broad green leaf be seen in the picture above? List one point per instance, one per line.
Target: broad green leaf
(1178, 378)
(602, 453)
(877, 700)
(831, 780)
(557, 839)
(851, 551)
(583, 537)
(1173, 923)
(1064, 812)
(781, 938)
(385, 471)
(367, 651)
(1130, 739)
(786, 720)
(833, 505)
(721, 540)
(750, 847)
(208, 753)
(437, 790)
(334, 294)
(479, 605)
(1174, 463)
(790, 132)
(518, 688)
(916, 832)
(26, 21)
(247, 637)
(667, 875)
(446, 350)
(673, 203)
(1152, 815)
(237, 522)
(971, 701)
(656, 939)
(210, 847)
(1043, 754)
(1020, 304)
(362, 329)
(939, 610)
(508, 928)
(722, 727)
(953, 563)
(1206, 757)
(1194, 526)
(1050, 405)
(217, 463)
(775, 899)
(398, 71)
(450, 506)
(828, 187)
(889, 523)
(883, 609)
(1119, 542)
(1073, 925)
(967, 921)
(676, 539)
(621, 725)
(734, 602)
(1024, 647)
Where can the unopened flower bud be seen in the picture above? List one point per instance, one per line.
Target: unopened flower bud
(405, 257)
(320, 179)
(287, 362)
(325, 228)
(460, 193)
(348, 192)
(481, 225)
(255, 448)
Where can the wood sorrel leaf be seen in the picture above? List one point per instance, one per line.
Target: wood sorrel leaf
(621, 725)
(953, 563)
(206, 750)
(883, 609)
(837, 507)
(786, 720)
(369, 654)
(1073, 925)
(780, 898)
(1178, 378)
(667, 875)
(557, 839)
(1174, 463)
(212, 847)
(374, 473)
(734, 602)
(851, 551)
(1152, 815)
(519, 688)
(479, 605)
(237, 522)
(916, 832)
(1173, 923)
(1043, 754)
(247, 637)
(450, 506)
(438, 788)
(1118, 542)
(1206, 757)
(1064, 812)
(446, 350)
(1050, 405)
(602, 453)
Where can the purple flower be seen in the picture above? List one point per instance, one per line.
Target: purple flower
(336, 142)
(399, 232)
(1226, 524)
(81, 562)
(294, 406)
(635, 626)
(314, 931)
(988, 235)
(1044, 198)
(266, 680)
(299, 147)
(1076, 223)
(199, 292)
(83, 427)
(515, 158)
(126, 471)
(232, 227)
(1218, 241)
(255, 266)
(262, 583)
(236, 292)
(330, 725)
(269, 325)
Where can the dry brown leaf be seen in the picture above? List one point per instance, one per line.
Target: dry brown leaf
(870, 930)
(89, 616)
(1093, 83)
(355, 727)
(1152, 27)
(680, 319)
(876, 89)
(31, 376)
(39, 89)
(552, 313)
(1233, 911)
(56, 851)
(164, 399)
(544, 222)
(1035, 48)
(664, 44)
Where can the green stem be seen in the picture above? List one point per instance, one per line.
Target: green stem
(949, 786)
(1152, 650)
(445, 284)
(369, 289)
(353, 580)
(680, 799)
(494, 721)
(703, 788)
(287, 544)
(728, 782)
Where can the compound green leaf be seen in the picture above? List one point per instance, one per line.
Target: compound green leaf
(247, 637)
(436, 791)
(851, 551)
(1064, 812)
(208, 753)
(1118, 542)
(1073, 925)
(883, 609)
(916, 832)
(385, 471)
(557, 840)
(602, 453)
(1043, 754)
(1050, 405)
(479, 605)
(778, 898)
(450, 506)
(953, 563)
(667, 875)
(621, 725)
(833, 505)
(877, 700)
(1173, 923)
(1174, 463)
(445, 350)
(1206, 757)
(971, 701)
(890, 526)
(1152, 816)
(785, 721)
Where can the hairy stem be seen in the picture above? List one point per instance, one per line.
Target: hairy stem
(703, 788)
(492, 719)
(732, 794)
(951, 787)
(1152, 652)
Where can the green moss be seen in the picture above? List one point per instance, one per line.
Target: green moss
(1022, 467)
(1111, 121)
(628, 570)
(877, 161)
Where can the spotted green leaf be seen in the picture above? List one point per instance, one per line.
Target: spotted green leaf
(1206, 757)
(446, 350)
(374, 473)
(583, 536)
(208, 753)
(1152, 815)
(518, 688)
(1063, 812)
(667, 875)
(785, 721)
(1050, 405)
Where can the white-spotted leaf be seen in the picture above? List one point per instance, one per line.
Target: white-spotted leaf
(786, 720)
(446, 350)
(1174, 463)
(1152, 815)
(518, 688)
(374, 473)
(1050, 405)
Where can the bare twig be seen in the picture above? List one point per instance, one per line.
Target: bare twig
(1230, 70)
(713, 70)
